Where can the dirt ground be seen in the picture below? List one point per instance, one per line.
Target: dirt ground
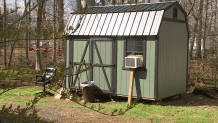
(61, 114)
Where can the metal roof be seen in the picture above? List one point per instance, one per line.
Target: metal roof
(127, 8)
(118, 20)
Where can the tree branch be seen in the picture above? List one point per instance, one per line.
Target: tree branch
(22, 17)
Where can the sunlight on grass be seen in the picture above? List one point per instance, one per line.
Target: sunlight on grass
(12, 95)
(161, 112)
(164, 113)
(3, 101)
(24, 92)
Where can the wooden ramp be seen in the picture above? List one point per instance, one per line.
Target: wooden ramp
(58, 93)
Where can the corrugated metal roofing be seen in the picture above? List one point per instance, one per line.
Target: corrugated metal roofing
(127, 8)
(119, 20)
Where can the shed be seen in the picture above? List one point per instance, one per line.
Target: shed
(107, 34)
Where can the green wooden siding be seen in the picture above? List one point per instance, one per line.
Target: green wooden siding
(79, 47)
(67, 62)
(144, 80)
(172, 59)
(105, 50)
(169, 13)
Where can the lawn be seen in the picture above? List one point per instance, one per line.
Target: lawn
(165, 111)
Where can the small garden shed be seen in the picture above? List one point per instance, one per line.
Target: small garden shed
(107, 34)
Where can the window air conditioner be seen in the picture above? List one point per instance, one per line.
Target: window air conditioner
(133, 61)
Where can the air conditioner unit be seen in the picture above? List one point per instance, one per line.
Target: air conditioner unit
(133, 61)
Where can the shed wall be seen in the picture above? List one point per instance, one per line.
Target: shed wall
(144, 80)
(172, 64)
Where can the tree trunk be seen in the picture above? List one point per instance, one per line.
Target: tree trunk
(61, 22)
(192, 39)
(209, 30)
(91, 2)
(122, 1)
(148, 1)
(39, 22)
(103, 2)
(199, 34)
(4, 26)
(54, 36)
(193, 34)
(205, 30)
(78, 4)
(114, 2)
(10, 57)
(215, 32)
(27, 32)
(29, 23)
(29, 26)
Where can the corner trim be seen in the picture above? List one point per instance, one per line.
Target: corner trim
(187, 78)
(91, 59)
(156, 69)
(115, 67)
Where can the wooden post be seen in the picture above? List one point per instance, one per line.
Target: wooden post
(131, 85)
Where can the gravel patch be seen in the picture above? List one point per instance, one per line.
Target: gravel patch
(63, 114)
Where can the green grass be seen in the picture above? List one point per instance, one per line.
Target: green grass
(12, 95)
(162, 112)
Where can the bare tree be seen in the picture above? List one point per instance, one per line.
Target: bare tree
(91, 2)
(39, 22)
(27, 32)
(78, 4)
(192, 39)
(210, 29)
(54, 35)
(13, 45)
(4, 26)
(199, 34)
(148, 1)
(29, 26)
(103, 2)
(61, 21)
(205, 29)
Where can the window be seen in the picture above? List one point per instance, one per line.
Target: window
(175, 12)
(135, 47)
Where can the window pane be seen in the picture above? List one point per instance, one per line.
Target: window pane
(135, 46)
(130, 42)
(130, 48)
(140, 42)
(140, 48)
